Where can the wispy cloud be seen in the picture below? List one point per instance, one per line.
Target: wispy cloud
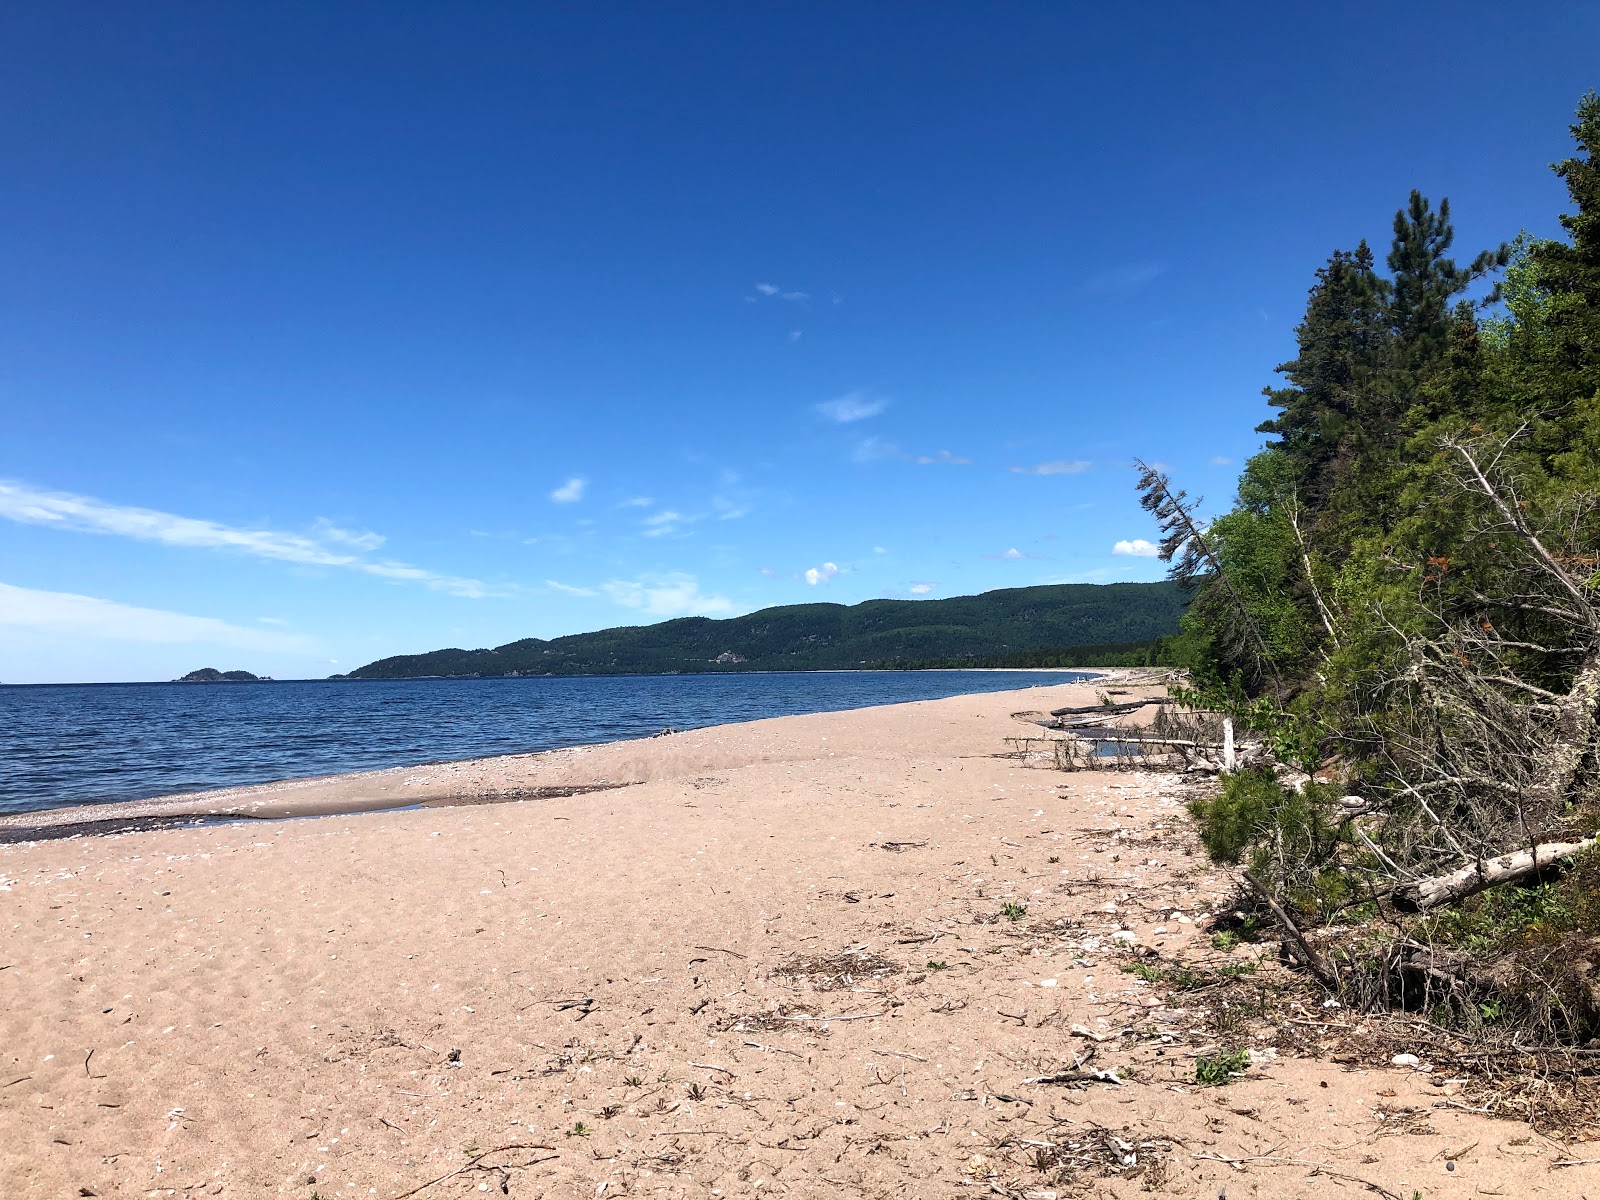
(818, 575)
(28, 505)
(673, 594)
(796, 334)
(1136, 548)
(89, 616)
(1220, 460)
(919, 588)
(871, 449)
(663, 523)
(637, 502)
(556, 585)
(1127, 277)
(571, 491)
(772, 291)
(1060, 466)
(852, 406)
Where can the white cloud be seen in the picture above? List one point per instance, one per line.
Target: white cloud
(1220, 460)
(637, 502)
(364, 540)
(88, 616)
(664, 523)
(557, 586)
(1060, 466)
(1138, 548)
(28, 505)
(796, 334)
(1013, 554)
(822, 574)
(571, 491)
(852, 406)
(920, 589)
(674, 594)
(944, 456)
(773, 291)
(879, 550)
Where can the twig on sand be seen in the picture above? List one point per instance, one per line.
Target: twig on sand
(392, 1125)
(899, 1054)
(776, 1050)
(475, 1160)
(1089, 1076)
(853, 1017)
(714, 1067)
(1317, 1168)
(718, 950)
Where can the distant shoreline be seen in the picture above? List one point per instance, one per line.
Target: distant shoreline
(604, 675)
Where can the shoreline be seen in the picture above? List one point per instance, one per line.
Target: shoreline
(381, 789)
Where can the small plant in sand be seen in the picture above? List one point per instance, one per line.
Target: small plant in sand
(610, 1111)
(1214, 1070)
(935, 965)
(579, 1130)
(633, 1081)
(1012, 911)
(696, 1092)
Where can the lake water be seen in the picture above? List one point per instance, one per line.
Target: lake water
(67, 744)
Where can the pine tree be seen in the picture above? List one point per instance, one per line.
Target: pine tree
(1328, 403)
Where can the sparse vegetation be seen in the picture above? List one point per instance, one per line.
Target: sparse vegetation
(1214, 1070)
(1011, 910)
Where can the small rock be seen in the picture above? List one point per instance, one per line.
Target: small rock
(1406, 1060)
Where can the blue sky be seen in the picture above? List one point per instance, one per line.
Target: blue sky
(332, 331)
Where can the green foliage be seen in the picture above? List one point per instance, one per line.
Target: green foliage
(935, 964)
(1060, 624)
(1214, 1070)
(1012, 911)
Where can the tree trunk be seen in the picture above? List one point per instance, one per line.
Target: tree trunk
(1424, 894)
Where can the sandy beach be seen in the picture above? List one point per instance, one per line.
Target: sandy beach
(813, 956)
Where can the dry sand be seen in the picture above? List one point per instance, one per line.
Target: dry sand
(775, 963)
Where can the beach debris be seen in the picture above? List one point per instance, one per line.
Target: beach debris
(833, 972)
(583, 1005)
(899, 847)
(476, 1164)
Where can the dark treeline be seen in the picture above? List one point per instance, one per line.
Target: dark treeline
(1405, 599)
(1149, 653)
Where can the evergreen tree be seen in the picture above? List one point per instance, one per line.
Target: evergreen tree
(1328, 403)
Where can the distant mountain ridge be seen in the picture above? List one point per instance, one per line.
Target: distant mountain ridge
(809, 637)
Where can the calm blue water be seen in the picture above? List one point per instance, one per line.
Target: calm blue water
(64, 744)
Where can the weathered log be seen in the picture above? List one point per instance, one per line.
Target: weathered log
(1106, 710)
(1423, 894)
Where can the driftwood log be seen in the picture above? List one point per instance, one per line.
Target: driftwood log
(1106, 710)
(1424, 894)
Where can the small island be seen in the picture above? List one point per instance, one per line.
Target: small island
(212, 675)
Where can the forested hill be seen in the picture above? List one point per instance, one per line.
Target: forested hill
(806, 637)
